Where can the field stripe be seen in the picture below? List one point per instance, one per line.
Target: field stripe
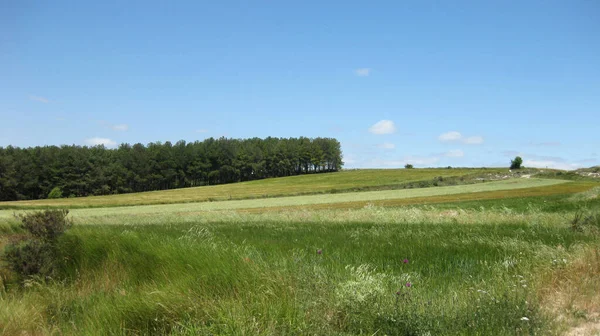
(561, 189)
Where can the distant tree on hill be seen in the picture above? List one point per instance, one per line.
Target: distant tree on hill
(55, 193)
(516, 163)
(408, 166)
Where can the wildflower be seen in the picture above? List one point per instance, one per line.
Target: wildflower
(405, 261)
(408, 284)
(398, 293)
(319, 251)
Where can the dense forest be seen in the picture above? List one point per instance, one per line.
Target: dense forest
(32, 173)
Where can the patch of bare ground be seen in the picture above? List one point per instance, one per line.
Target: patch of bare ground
(571, 293)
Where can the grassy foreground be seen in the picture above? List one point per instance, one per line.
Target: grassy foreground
(352, 180)
(364, 271)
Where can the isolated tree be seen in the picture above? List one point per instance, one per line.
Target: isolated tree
(408, 166)
(55, 193)
(516, 163)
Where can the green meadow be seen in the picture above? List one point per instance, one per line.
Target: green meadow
(495, 258)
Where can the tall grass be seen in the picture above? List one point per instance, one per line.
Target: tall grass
(473, 273)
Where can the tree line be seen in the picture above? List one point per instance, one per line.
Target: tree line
(32, 173)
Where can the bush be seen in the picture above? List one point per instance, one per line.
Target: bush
(37, 253)
(408, 166)
(516, 163)
(55, 193)
(46, 225)
(586, 221)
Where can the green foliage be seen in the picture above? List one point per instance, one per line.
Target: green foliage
(408, 166)
(516, 163)
(37, 254)
(56, 192)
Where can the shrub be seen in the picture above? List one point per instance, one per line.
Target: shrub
(408, 166)
(37, 253)
(55, 193)
(46, 225)
(586, 221)
(516, 163)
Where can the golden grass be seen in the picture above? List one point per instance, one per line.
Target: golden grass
(571, 292)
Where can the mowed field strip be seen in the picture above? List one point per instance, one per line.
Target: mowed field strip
(308, 199)
(272, 187)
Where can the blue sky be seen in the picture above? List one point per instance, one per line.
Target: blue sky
(433, 83)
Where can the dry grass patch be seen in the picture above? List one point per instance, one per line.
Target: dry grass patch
(571, 292)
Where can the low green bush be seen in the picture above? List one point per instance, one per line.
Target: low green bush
(37, 252)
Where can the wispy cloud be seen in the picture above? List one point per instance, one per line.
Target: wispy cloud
(100, 141)
(387, 145)
(120, 127)
(39, 99)
(422, 160)
(545, 144)
(383, 127)
(474, 140)
(456, 153)
(450, 136)
(551, 164)
(454, 136)
(363, 72)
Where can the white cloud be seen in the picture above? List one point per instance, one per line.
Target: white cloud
(383, 127)
(450, 136)
(474, 140)
(363, 72)
(387, 145)
(100, 141)
(551, 164)
(39, 99)
(120, 127)
(201, 130)
(456, 153)
(456, 136)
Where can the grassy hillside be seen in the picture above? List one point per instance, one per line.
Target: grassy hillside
(285, 186)
(323, 201)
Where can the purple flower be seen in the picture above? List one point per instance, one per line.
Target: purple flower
(405, 261)
(319, 251)
(408, 284)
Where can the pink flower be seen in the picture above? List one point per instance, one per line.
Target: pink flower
(319, 251)
(408, 284)
(405, 261)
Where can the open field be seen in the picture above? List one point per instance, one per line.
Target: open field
(496, 258)
(286, 186)
(326, 201)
